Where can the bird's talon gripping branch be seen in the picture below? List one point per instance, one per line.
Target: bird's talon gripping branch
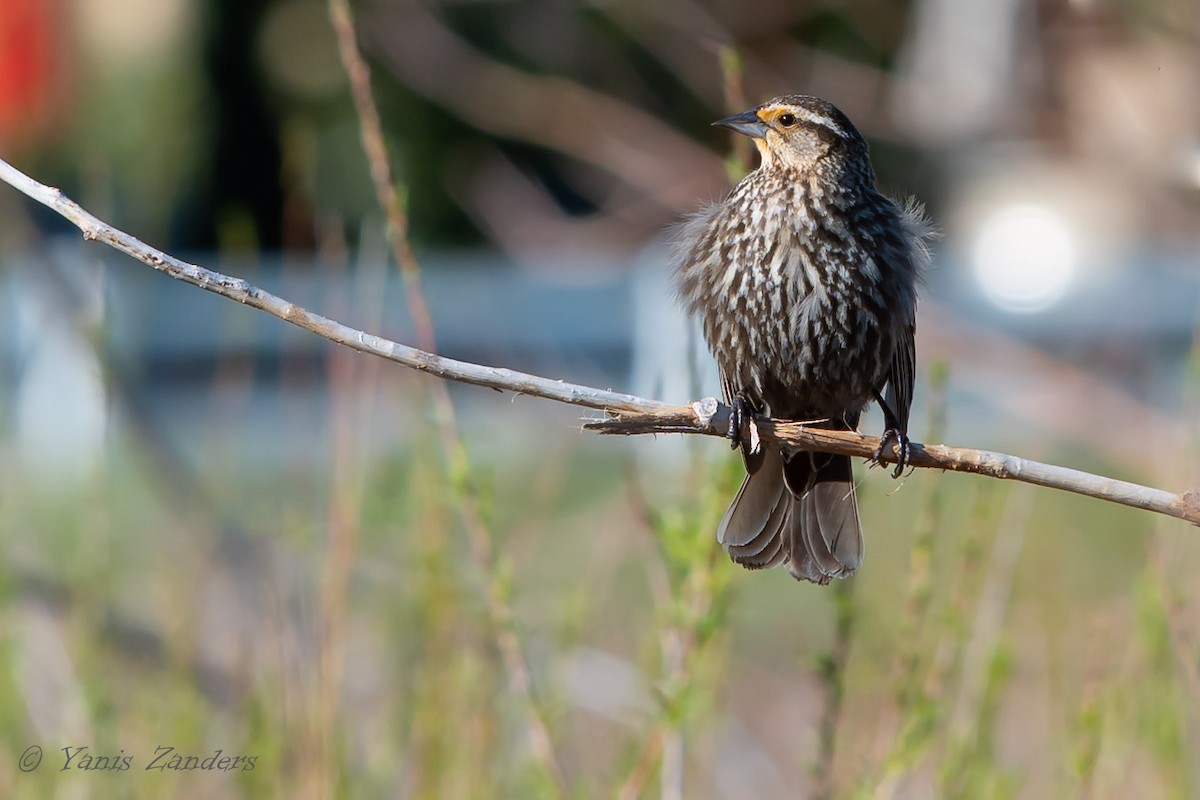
(893, 436)
(740, 414)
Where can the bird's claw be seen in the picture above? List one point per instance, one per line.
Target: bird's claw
(893, 436)
(739, 415)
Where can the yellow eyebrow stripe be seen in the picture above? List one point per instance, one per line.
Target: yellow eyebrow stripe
(770, 113)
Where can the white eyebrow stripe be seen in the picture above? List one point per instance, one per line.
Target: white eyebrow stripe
(823, 121)
(812, 117)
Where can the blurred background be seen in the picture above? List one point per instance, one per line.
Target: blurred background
(218, 532)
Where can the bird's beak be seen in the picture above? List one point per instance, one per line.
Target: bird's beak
(747, 123)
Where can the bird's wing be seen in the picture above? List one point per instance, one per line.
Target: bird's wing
(901, 377)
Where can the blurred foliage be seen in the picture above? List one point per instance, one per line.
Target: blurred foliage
(241, 114)
(209, 629)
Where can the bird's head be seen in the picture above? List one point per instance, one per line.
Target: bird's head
(800, 132)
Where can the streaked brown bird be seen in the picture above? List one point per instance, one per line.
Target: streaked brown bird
(805, 280)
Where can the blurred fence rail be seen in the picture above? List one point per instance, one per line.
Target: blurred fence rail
(1114, 350)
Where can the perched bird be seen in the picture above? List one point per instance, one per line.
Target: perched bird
(805, 280)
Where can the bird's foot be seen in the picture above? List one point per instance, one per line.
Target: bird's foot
(897, 437)
(739, 415)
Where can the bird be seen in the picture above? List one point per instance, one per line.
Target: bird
(805, 282)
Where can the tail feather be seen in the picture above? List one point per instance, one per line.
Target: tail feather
(751, 529)
(826, 526)
(754, 505)
(801, 512)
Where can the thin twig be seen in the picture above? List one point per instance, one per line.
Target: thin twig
(833, 675)
(343, 532)
(647, 759)
(688, 601)
(896, 736)
(479, 534)
(375, 148)
(913, 652)
(635, 415)
(987, 627)
(680, 643)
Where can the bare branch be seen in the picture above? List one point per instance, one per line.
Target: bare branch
(712, 418)
(632, 414)
(244, 292)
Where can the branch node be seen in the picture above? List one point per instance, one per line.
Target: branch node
(705, 409)
(1189, 502)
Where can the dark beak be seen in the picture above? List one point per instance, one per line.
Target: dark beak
(747, 123)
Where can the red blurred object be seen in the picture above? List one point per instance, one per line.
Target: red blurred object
(27, 67)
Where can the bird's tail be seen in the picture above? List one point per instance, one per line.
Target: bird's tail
(799, 511)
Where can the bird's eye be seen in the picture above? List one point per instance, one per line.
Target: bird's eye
(787, 120)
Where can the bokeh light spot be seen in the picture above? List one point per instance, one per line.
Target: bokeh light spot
(1024, 257)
